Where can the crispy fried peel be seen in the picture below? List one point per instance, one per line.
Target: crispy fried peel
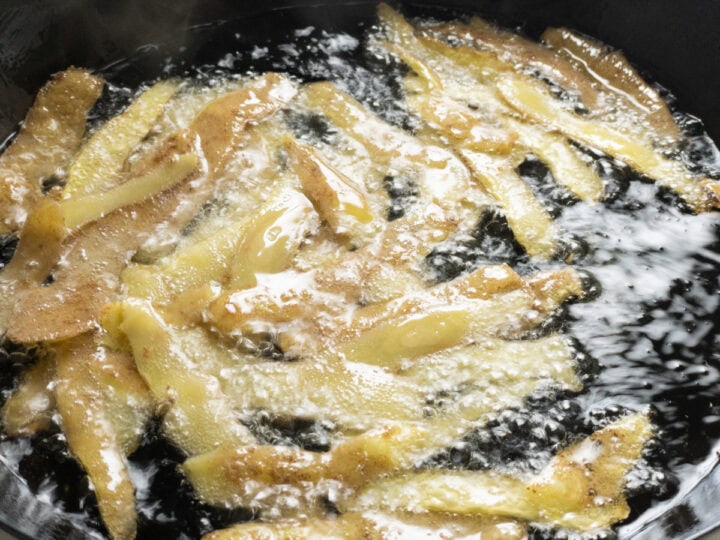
(461, 126)
(273, 238)
(581, 488)
(262, 245)
(322, 388)
(530, 222)
(102, 157)
(568, 170)
(614, 73)
(291, 297)
(50, 135)
(190, 267)
(445, 200)
(81, 210)
(234, 470)
(377, 526)
(392, 264)
(89, 279)
(532, 101)
(37, 252)
(563, 160)
(221, 123)
(488, 301)
(491, 359)
(104, 406)
(473, 135)
(340, 201)
(502, 49)
(29, 408)
(199, 416)
(713, 187)
(443, 180)
(554, 287)
(524, 52)
(71, 305)
(353, 396)
(236, 475)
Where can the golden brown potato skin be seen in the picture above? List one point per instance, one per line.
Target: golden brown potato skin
(376, 526)
(104, 406)
(72, 303)
(297, 293)
(51, 134)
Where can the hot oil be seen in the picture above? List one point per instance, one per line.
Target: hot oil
(648, 340)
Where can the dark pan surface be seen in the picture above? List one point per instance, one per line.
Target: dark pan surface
(674, 42)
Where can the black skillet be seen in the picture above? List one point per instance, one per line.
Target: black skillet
(675, 42)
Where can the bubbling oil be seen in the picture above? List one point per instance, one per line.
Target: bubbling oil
(650, 337)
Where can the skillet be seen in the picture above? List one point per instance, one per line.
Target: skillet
(674, 42)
